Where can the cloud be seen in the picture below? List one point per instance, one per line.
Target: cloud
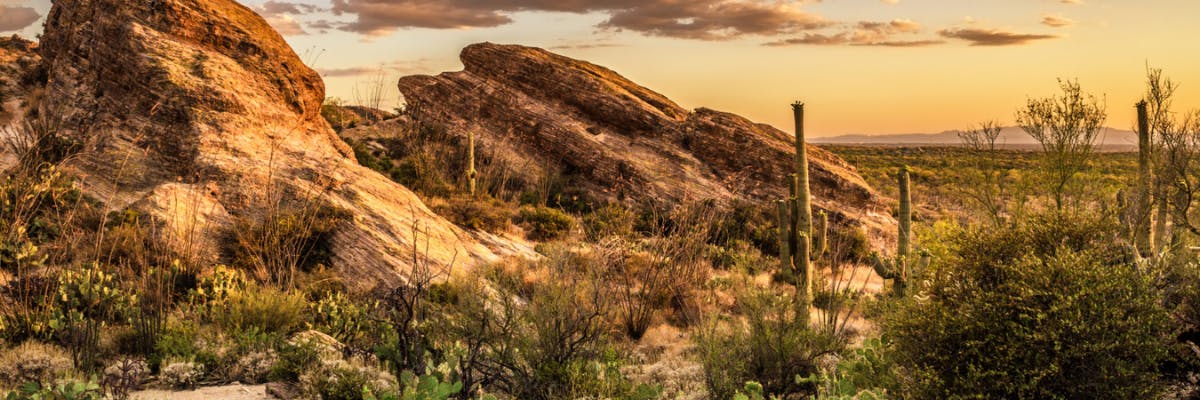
(993, 37)
(286, 25)
(713, 20)
(694, 19)
(284, 7)
(1056, 21)
(585, 46)
(401, 67)
(865, 33)
(17, 18)
(851, 39)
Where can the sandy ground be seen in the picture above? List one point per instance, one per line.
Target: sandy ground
(232, 392)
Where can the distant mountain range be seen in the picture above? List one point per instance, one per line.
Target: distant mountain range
(1009, 136)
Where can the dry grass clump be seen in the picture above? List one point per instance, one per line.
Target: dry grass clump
(34, 362)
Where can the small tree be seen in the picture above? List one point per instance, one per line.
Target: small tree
(987, 188)
(1066, 126)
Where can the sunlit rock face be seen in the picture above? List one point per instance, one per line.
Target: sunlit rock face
(199, 113)
(556, 115)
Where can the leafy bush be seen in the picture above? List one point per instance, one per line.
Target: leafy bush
(545, 223)
(1033, 311)
(33, 362)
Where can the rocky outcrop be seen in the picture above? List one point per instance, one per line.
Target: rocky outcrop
(621, 140)
(201, 104)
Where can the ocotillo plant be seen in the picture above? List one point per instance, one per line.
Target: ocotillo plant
(471, 172)
(899, 267)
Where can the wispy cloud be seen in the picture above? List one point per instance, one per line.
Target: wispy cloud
(1057, 21)
(993, 37)
(694, 19)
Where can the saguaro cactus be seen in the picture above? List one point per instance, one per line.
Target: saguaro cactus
(803, 214)
(471, 172)
(799, 242)
(1142, 225)
(899, 267)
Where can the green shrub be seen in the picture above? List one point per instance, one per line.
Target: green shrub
(611, 220)
(544, 223)
(294, 359)
(1033, 311)
(262, 309)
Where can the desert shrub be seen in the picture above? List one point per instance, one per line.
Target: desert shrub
(478, 213)
(124, 376)
(529, 340)
(180, 374)
(545, 223)
(610, 220)
(255, 367)
(262, 309)
(747, 222)
(769, 341)
(290, 237)
(602, 378)
(177, 341)
(1032, 311)
(344, 380)
(33, 362)
(294, 358)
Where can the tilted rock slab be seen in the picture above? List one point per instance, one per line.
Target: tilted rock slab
(623, 139)
(201, 104)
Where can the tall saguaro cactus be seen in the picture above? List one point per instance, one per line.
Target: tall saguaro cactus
(902, 265)
(1142, 223)
(800, 239)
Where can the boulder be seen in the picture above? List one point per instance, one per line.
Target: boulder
(202, 100)
(617, 140)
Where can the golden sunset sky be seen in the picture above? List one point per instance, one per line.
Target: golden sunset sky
(863, 66)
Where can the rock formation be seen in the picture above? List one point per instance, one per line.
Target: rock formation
(622, 140)
(198, 112)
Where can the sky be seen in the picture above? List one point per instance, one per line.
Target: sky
(862, 66)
